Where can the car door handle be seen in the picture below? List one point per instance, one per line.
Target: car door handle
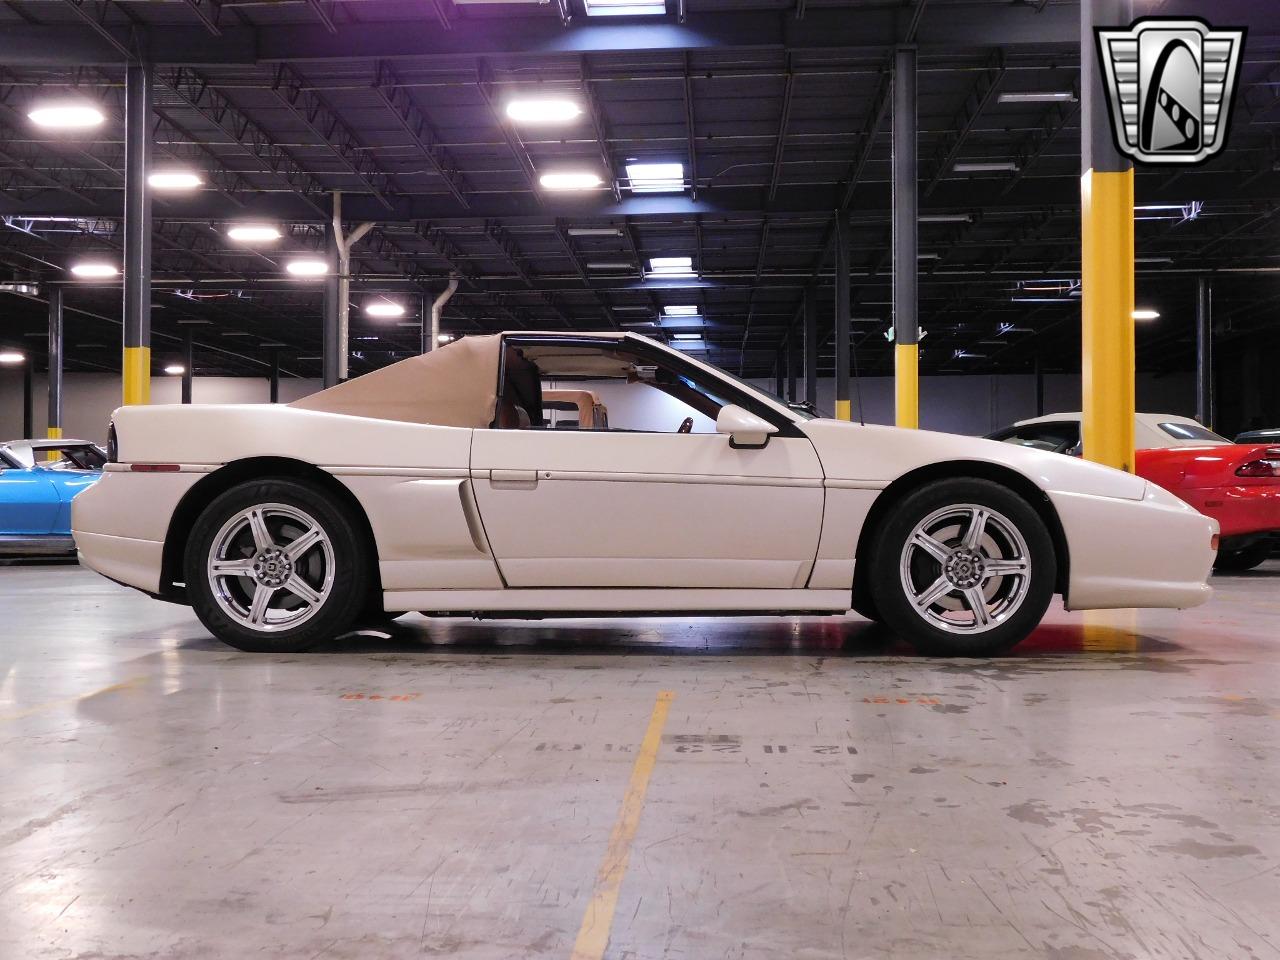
(513, 479)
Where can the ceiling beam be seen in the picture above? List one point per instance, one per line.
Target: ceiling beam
(873, 32)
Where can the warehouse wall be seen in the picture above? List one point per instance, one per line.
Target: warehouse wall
(960, 404)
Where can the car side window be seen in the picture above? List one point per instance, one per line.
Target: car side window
(1054, 437)
(590, 387)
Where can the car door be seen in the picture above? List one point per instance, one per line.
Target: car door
(28, 501)
(565, 508)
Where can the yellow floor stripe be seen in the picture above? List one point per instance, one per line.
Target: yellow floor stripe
(593, 935)
(115, 687)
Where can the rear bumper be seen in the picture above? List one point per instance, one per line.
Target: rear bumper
(120, 524)
(126, 560)
(1151, 553)
(1239, 510)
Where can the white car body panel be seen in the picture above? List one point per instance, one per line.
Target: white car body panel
(538, 520)
(592, 509)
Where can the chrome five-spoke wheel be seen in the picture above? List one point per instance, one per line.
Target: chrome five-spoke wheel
(271, 567)
(962, 566)
(966, 568)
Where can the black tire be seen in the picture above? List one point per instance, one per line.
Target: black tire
(1246, 558)
(1035, 588)
(339, 607)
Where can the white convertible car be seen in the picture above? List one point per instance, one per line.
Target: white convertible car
(437, 484)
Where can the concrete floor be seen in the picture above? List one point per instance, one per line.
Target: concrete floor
(1111, 791)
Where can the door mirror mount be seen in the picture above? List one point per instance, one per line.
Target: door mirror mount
(746, 431)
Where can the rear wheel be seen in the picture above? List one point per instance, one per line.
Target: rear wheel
(276, 566)
(1246, 558)
(963, 567)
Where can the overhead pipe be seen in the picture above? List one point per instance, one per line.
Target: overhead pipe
(437, 308)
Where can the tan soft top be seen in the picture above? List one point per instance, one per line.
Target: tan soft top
(453, 386)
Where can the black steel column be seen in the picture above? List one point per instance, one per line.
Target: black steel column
(137, 234)
(906, 262)
(842, 319)
(810, 347)
(28, 405)
(331, 341)
(792, 355)
(779, 371)
(1039, 385)
(275, 376)
(54, 431)
(188, 367)
(1204, 351)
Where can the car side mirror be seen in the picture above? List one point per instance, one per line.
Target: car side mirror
(745, 429)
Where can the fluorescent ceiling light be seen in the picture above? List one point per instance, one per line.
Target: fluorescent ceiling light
(681, 311)
(92, 271)
(1043, 300)
(174, 180)
(579, 180)
(383, 308)
(686, 336)
(543, 110)
(928, 256)
(175, 369)
(1153, 260)
(614, 265)
(630, 308)
(946, 218)
(656, 177)
(66, 116)
(1039, 96)
(984, 166)
(624, 8)
(671, 266)
(1146, 313)
(253, 233)
(595, 231)
(11, 357)
(307, 268)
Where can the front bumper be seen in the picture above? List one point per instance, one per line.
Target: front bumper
(1156, 552)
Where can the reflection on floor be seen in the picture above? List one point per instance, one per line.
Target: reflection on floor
(450, 788)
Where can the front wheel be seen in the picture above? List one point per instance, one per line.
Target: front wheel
(963, 567)
(276, 566)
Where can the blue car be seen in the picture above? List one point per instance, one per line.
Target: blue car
(38, 481)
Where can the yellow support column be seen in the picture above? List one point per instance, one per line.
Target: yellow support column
(906, 383)
(53, 433)
(906, 243)
(137, 375)
(1106, 257)
(1107, 367)
(138, 117)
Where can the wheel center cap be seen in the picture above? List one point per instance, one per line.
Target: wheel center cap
(272, 568)
(965, 568)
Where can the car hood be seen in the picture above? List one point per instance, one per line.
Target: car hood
(879, 454)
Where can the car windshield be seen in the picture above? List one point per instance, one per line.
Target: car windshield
(1191, 431)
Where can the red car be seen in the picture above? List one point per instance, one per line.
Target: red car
(1238, 484)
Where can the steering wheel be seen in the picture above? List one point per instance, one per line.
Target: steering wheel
(686, 425)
